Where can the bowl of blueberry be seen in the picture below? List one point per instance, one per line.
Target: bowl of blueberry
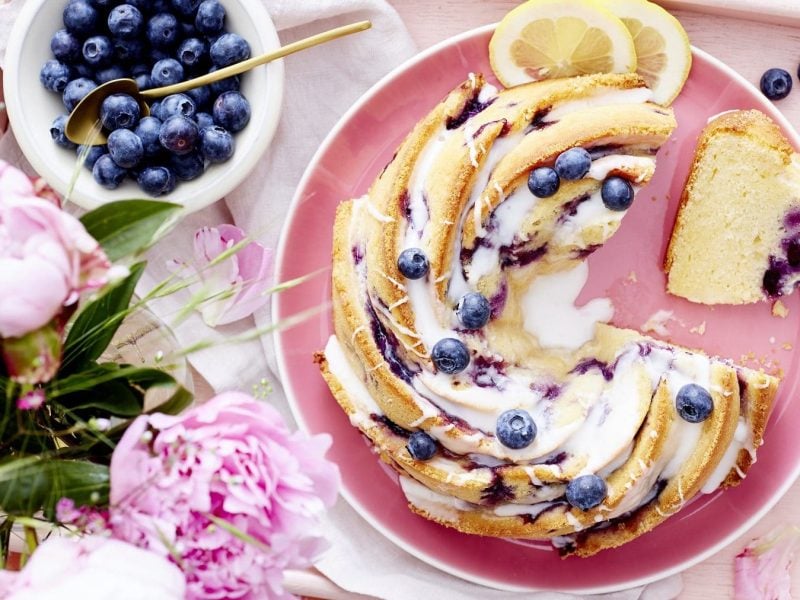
(194, 147)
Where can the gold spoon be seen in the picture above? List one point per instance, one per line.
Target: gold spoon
(83, 126)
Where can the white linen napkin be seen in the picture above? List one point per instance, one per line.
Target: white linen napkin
(321, 84)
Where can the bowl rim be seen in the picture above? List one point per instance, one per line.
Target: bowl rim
(201, 197)
(278, 339)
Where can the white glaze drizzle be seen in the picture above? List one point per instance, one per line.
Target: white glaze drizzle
(550, 314)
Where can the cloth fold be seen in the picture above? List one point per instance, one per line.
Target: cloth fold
(321, 84)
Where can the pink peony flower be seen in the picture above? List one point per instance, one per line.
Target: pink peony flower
(236, 287)
(227, 492)
(93, 568)
(46, 257)
(762, 568)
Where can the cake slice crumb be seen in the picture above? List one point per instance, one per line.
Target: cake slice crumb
(779, 310)
(632, 277)
(657, 323)
(700, 329)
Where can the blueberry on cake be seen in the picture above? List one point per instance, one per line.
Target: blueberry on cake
(589, 437)
(736, 238)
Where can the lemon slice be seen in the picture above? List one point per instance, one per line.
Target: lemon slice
(545, 39)
(663, 53)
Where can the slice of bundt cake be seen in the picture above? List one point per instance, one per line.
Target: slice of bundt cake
(496, 429)
(736, 238)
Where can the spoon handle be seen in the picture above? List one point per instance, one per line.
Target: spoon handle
(250, 63)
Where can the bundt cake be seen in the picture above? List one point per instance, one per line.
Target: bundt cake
(459, 354)
(736, 238)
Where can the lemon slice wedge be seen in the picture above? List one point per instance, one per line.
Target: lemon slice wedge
(663, 53)
(546, 39)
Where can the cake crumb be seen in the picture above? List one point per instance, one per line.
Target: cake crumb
(779, 310)
(657, 323)
(632, 277)
(787, 346)
(700, 329)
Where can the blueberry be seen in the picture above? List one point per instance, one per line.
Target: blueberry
(148, 130)
(162, 30)
(140, 69)
(57, 132)
(229, 48)
(473, 310)
(75, 92)
(543, 182)
(179, 135)
(216, 144)
(187, 166)
(773, 283)
(125, 147)
(421, 446)
(156, 181)
(694, 403)
(108, 173)
(129, 51)
(143, 82)
(83, 70)
(515, 429)
(793, 253)
(192, 53)
(176, 104)
(229, 84)
(119, 111)
(450, 356)
(157, 54)
(204, 121)
(66, 46)
(92, 153)
(617, 193)
(210, 19)
(97, 51)
(55, 76)
(80, 18)
(200, 95)
(185, 8)
(573, 164)
(166, 72)
(586, 491)
(776, 84)
(412, 263)
(232, 111)
(155, 109)
(110, 73)
(125, 21)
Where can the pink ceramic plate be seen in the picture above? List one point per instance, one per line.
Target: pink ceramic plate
(627, 270)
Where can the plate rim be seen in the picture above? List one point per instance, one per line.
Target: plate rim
(277, 336)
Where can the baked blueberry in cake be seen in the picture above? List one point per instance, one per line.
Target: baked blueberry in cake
(736, 238)
(590, 437)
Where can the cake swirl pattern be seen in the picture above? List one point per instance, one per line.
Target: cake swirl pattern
(493, 429)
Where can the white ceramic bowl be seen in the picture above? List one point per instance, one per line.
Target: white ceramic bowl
(31, 108)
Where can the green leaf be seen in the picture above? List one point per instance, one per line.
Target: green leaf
(144, 377)
(98, 321)
(114, 398)
(31, 484)
(126, 227)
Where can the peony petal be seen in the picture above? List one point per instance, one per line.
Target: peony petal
(762, 568)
